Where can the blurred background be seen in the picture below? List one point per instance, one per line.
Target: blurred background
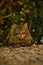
(21, 11)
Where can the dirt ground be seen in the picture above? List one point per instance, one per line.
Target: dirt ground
(21, 56)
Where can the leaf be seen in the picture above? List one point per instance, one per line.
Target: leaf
(2, 11)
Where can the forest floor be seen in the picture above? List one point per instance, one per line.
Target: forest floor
(21, 56)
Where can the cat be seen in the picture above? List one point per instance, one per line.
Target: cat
(20, 36)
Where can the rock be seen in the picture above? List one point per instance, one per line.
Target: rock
(22, 55)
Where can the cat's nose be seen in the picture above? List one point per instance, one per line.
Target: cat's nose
(22, 36)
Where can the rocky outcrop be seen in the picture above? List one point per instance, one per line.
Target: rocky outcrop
(21, 56)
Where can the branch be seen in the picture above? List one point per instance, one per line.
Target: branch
(1, 3)
(14, 3)
(30, 25)
(2, 17)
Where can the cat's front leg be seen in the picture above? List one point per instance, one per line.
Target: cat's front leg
(30, 43)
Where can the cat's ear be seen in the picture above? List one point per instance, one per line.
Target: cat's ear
(25, 25)
(14, 26)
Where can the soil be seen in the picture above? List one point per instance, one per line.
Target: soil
(32, 55)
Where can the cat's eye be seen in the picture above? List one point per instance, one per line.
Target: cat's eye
(16, 33)
(24, 32)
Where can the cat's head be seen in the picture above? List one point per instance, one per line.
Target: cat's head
(20, 31)
(23, 26)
